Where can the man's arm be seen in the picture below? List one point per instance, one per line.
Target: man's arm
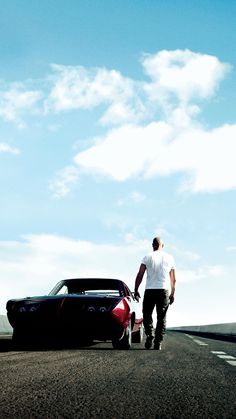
(172, 283)
(138, 280)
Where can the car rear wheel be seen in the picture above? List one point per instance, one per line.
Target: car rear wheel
(125, 341)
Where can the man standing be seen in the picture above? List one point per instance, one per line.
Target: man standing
(160, 269)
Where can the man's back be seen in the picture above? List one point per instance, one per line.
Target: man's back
(159, 265)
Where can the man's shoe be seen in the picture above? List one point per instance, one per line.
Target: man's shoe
(157, 346)
(148, 343)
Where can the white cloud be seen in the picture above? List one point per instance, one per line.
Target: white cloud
(186, 74)
(5, 148)
(211, 158)
(180, 75)
(80, 88)
(176, 79)
(121, 113)
(205, 157)
(16, 100)
(176, 144)
(125, 152)
(64, 181)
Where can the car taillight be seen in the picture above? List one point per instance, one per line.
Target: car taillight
(121, 311)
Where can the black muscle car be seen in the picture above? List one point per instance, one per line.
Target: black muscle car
(84, 309)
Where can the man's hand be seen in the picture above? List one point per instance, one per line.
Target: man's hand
(171, 298)
(137, 296)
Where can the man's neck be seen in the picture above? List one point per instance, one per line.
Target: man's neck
(157, 250)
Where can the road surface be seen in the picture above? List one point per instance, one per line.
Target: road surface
(191, 377)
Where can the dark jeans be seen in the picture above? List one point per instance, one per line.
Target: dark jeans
(158, 298)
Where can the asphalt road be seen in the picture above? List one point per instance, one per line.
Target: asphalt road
(187, 379)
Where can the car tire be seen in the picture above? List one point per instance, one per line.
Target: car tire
(126, 340)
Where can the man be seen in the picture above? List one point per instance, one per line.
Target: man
(160, 269)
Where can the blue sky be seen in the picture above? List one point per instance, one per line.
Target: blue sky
(118, 123)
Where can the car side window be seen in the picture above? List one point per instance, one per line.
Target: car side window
(63, 290)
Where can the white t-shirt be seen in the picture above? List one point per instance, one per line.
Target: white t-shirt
(159, 265)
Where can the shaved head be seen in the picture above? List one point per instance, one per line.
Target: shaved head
(157, 242)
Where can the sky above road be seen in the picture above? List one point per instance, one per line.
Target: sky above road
(117, 124)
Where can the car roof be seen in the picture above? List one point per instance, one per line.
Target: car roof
(95, 281)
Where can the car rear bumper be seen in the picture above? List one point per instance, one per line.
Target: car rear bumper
(101, 326)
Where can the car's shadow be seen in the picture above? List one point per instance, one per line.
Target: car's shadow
(7, 345)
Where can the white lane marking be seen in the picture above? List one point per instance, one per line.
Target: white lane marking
(226, 357)
(199, 342)
(233, 363)
(231, 360)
